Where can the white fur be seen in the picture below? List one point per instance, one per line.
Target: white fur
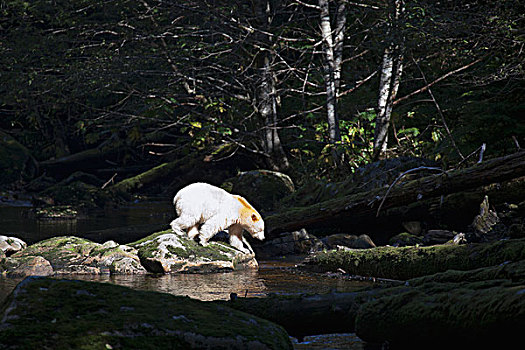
(205, 210)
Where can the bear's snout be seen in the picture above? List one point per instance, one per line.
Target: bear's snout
(259, 235)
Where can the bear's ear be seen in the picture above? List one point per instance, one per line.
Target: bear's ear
(254, 217)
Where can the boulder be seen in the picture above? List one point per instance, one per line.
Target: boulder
(62, 255)
(167, 252)
(289, 243)
(78, 193)
(263, 188)
(438, 237)
(161, 252)
(44, 313)
(11, 245)
(347, 240)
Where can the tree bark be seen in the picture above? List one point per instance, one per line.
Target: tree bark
(332, 58)
(391, 70)
(267, 97)
(361, 207)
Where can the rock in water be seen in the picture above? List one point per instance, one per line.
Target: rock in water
(11, 245)
(43, 313)
(166, 252)
(62, 255)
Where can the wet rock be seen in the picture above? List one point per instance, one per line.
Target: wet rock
(460, 238)
(85, 315)
(72, 255)
(11, 245)
(33, 266)
(263, 188)
(405, 239)
(166, 252)
(347, 240)
(438, 237)
(289, 243)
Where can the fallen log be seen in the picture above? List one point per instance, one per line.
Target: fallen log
(403, 263)
(362, 207)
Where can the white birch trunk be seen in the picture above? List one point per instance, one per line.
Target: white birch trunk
(329, 72)
(391, 71)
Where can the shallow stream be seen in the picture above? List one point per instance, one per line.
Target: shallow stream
(140, 219)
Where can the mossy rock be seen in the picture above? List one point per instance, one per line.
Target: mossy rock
(167, 252)
(408, 262)
(262, 188)
(43, 313)
(468, 308)
(69, 254)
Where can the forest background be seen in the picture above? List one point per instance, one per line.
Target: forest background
(314, 89)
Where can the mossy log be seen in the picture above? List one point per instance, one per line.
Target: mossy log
(403, 263)
(155, 174)
(362, 207)
(178, 173)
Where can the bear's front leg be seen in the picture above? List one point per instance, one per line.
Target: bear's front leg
(210, 228)
(235, 232)
(180, 224)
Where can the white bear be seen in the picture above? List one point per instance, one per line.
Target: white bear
(204, 210)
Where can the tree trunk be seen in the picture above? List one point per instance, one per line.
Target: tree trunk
(391, 70)
(267, 97)
(362, 207)
(332, 58)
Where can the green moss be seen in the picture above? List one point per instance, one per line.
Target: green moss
(409, 262)
(213, 251)
(83, 315)
(470, 312)
(149, 238)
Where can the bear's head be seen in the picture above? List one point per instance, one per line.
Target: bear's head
(250, 219)
(256, 226)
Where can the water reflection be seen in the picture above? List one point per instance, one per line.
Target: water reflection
(124, 225)
(271, 278)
